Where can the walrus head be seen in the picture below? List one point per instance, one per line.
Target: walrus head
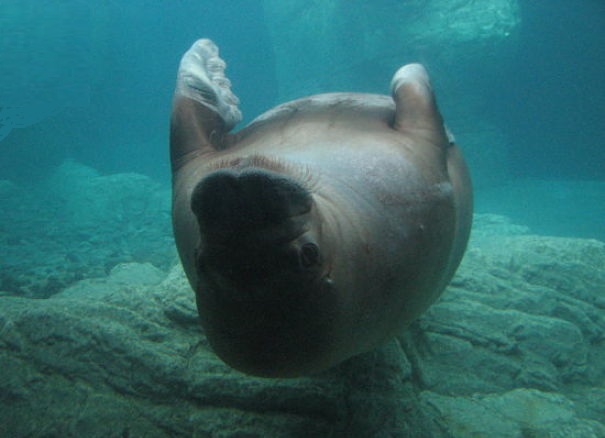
(264, 293)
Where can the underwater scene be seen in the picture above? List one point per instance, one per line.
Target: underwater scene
(161, 276)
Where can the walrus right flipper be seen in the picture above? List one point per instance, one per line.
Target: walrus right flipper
(204, 107)
(416, 110)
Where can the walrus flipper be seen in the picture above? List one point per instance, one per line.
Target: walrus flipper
(201, 77)
(415, 106)
(204, 107)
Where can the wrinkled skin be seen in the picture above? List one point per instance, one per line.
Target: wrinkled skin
(321, 229)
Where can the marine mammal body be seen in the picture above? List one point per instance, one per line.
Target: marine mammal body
(322, 228)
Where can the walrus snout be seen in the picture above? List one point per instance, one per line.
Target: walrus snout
(254, 227)
(234, 203)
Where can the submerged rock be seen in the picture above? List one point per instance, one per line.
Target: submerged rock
(517, 413)
(79, 224)
(134, 361)
(516, 347)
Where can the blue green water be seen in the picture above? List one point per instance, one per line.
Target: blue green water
(85, 101)
(92, 82)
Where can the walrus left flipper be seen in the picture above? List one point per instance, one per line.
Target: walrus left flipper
(204, 107)
(201, 77)
(416, 110)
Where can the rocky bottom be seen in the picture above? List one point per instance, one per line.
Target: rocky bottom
(514, 348)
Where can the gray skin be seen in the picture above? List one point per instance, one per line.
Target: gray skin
(320, 230)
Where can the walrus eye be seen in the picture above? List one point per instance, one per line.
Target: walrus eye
(309, 255)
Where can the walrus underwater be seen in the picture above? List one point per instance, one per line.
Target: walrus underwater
(321, 229)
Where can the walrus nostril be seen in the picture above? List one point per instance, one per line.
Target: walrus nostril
(309, 255)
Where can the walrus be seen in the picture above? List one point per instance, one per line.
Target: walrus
(321, 229)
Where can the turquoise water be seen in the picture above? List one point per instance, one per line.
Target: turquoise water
(521, 89)
(85, 100)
